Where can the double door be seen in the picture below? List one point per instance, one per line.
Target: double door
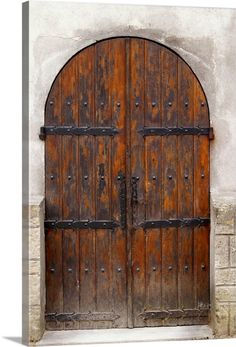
(127, 190)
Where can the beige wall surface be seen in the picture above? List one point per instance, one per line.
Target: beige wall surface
(204, 37)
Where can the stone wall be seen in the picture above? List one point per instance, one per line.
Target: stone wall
(34, 269)
(224, 260)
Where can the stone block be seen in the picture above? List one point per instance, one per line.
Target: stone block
(225, 276)
(224, 293)
(34, 290)
(34, 243)
(232, 320)
(35, 215)
(233, 251)
(225, 219)
(34, 267)
(222, 320)
(36, 323)
(221, 251)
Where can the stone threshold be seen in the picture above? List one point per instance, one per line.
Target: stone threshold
(97, 336)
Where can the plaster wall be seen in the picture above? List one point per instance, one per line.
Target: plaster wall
(205, 38)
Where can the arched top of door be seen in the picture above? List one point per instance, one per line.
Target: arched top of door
(174, 71)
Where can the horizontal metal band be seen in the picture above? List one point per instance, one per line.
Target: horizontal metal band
(80, 224)
(77, 316)
(175, 223)
(178, 313)
(73, 130)
(147, 131)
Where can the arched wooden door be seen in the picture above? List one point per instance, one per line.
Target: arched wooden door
(127, 190)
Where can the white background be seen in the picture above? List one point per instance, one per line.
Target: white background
(10, 167)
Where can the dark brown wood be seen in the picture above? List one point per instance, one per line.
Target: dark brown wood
(137, 273)
(86, 192)
(118, 167)
(153, 169)
(169, 72)
(136, 90)
(185, 189)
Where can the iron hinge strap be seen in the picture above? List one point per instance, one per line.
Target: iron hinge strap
(164, 131)
(175, 223)
(175, 313)
(77, 316)
(80, 224)
(73, 130)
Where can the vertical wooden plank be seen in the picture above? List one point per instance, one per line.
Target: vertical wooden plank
(118, 167)
(103, 180)
(137, 171)
(169, 208)
(70, 241)
(86, 184)
(54, 280)
(53, 238)
(52, 153)
(129, 217)
(153, 177)
(201, 201)
(185, 189)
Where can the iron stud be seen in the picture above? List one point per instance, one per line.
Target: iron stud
(137, 269)
(102, 104)
(68, 103)
(170, 104)
(85, 103)
(154, 177)
(86, 177)
(118, 104)
(52, 270)
(170, 177)
(202, 175)
(137, 104)
(186, 104)
(102, 177)
(69, 270)
(170, 267)
(69, 177)
(154, 268)
(102, 269)
(153, 104)
(186, 176)
(52, 177)
(186, 268)
(202, 104)
(203, 266)
(86, 269)
(119, 269)
(137, 178)
(51, 102)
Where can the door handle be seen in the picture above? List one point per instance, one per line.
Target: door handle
(122, 193)
(134, 190)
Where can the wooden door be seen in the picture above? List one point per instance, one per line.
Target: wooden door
(127, 190)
